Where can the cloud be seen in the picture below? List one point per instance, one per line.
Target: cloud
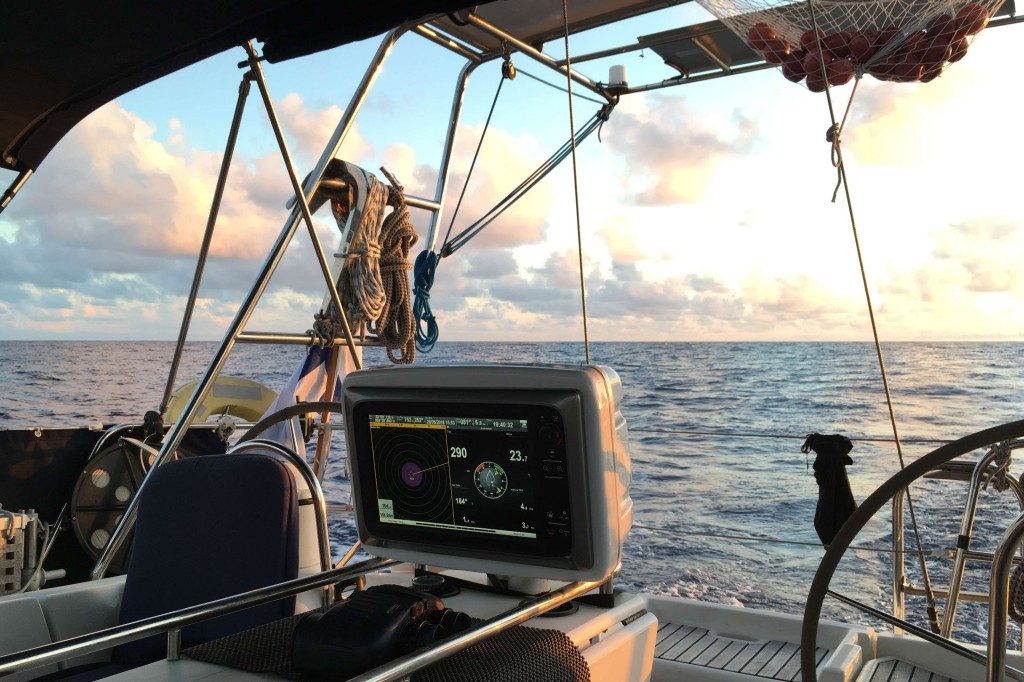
(102, 241)
(981, 247)
(543, 302)
(947, 122)
(491, 264)
(113, 222)
(621, 242)
(674, 152)
(121, 212)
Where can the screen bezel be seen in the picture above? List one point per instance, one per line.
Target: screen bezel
(572, 552)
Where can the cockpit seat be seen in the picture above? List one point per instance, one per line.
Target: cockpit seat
(208, 527)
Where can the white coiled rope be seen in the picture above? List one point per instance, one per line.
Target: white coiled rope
(374, 282)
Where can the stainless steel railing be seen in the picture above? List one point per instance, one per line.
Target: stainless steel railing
(999, 589)
(172, 623)
(128, 632)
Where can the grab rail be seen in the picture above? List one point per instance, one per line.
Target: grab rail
(999, 587)
(129, 632)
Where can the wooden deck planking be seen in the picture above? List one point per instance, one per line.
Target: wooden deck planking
(705, 657)
(666, 629)
(730, 652)
(768, 660)
(687, 654)
(895, 670)
(762, 658)
(671, 640)
(779, 660)
(902, 672)
(743, 657)
(685, 643)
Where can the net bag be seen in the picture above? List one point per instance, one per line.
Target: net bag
(836, 41)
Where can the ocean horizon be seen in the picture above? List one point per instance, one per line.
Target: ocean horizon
(715, 435)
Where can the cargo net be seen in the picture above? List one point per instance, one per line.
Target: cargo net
(833, 42)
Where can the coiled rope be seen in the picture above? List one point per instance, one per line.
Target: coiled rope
(373, 282)
(427, 331)
(394, 326)
(423, 272)
(360, 283)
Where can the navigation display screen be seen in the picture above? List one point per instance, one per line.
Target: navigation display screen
(488, 476)
(468, 474)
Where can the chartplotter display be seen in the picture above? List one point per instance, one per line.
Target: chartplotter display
(463, 473)
(500, 476)
(519, 470)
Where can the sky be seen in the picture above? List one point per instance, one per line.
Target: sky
(705, 208)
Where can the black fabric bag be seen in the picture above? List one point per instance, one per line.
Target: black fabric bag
(835, 498)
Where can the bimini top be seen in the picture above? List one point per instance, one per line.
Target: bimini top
(62, 59)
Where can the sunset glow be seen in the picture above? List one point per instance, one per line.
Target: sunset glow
(706, 208)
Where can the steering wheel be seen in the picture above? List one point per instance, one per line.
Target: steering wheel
(262, 425)
(863, 514)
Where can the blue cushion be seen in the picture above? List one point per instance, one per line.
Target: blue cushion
(209, 527)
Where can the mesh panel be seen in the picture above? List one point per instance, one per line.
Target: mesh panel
(899, 40)
(519, 654)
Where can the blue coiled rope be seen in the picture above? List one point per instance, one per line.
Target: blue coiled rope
(423, 278)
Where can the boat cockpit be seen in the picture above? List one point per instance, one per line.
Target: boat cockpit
(483, 497)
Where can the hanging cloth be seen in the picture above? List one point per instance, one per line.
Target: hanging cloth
(835, 498)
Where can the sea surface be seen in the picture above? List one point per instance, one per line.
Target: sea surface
(715, 431)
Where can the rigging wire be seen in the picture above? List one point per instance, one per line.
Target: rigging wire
(575, 183)
(425, 267)
(560, 88)
(459, 240)
(833, 137)
(472, 163)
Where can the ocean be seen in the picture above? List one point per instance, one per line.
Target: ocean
(715, 435)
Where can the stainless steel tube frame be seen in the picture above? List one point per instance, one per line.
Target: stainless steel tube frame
(924, 634)
(319, 503)
(8, 196)
(177, 432)
(899, 570)
(298, 339)
(129, 632)
(999, 591)
(204, 249)
(963, 542)
(303, 201)
(446, 154)
(537, 55)
(899, 585)
(446, 647)
(447, 42)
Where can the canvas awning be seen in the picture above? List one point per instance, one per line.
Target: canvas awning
(62, 59)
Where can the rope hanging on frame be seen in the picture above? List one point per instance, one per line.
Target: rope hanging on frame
(427, 331)
(834, 137)
(373, 283)
(427, 262)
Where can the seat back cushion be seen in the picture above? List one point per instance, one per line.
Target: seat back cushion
(210, 527)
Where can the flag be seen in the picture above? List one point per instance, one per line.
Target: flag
(308, 384)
